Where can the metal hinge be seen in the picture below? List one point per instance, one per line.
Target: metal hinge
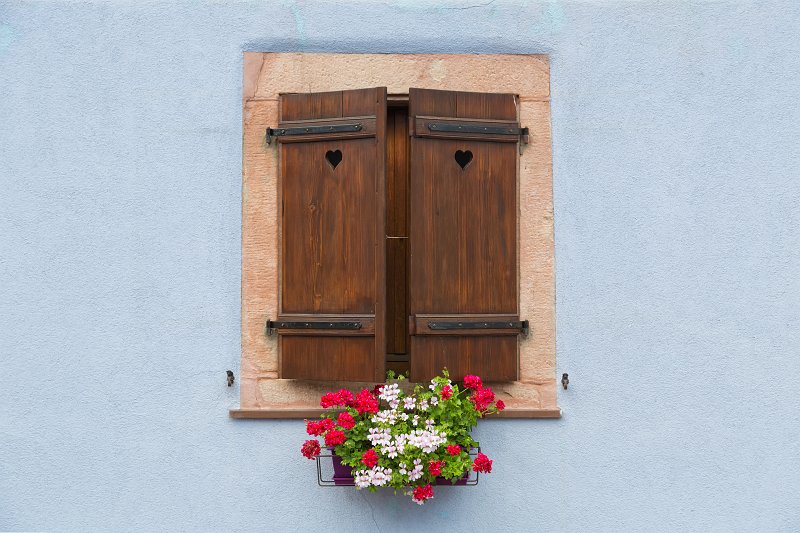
(523, 325)
(311, 130)
(474, 128)
(272, 325)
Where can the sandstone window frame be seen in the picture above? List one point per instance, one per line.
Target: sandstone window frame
(266, 75)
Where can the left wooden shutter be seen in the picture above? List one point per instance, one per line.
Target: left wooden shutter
(332, 264)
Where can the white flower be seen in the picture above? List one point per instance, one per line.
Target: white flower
(390, 392)
(385, 416)
(408, 403)
(423, 405)
(427, 440)
(416, 473)
(379, 437)
(389, 451)
(434, 400)
(376, 476)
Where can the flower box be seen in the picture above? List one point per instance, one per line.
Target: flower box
(343, 474)
(407, 440)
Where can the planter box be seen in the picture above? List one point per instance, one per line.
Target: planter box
(343, 475)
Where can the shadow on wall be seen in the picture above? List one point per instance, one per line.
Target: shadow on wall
(487, 45)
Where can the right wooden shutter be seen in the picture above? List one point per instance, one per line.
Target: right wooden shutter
(463, 280)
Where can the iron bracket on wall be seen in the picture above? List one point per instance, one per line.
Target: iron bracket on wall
(522, 325)
(272, 325)
(311, 130)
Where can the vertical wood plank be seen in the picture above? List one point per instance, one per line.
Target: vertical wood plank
(397, 231)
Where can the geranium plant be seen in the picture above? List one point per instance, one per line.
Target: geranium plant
(392, 439)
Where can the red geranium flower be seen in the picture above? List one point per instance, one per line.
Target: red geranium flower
(422, 493)
(319, 427)
(376, 390)
(435, 468)
(346, 420)
(310, 448)
(500, 405)
(473, 382)
(335, 437)
(454, 449)
(346, 398)
(482, 398)
(365, 402)
(370, 458)
(482, 464)
(329, 400)
(447, 391)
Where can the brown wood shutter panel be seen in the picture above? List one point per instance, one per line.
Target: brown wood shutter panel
(332, 264)
(463, 235)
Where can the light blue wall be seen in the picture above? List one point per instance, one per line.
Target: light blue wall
(676, 133)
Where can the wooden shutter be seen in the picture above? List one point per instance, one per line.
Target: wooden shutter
(463, 234)
(332, 264)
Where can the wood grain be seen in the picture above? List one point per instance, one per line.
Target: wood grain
(463, 237)
(397, 231)
(332, 238)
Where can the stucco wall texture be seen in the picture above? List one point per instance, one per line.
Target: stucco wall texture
(676, 145)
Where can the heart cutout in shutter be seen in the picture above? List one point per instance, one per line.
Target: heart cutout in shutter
(463, 158)
(334, 157)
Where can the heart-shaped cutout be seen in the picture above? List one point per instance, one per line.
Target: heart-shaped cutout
(463, 158)
(334, 157)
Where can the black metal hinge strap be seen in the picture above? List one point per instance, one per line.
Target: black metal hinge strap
(474, 128)
(311, 130)
(506, 324)
(272, 325)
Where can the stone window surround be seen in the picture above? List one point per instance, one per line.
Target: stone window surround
(266, 75)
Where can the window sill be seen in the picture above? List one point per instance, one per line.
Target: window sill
(295, 413)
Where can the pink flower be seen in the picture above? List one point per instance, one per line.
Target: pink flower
(346, 420)
(454, 449)
(447, 392)
(422, 493)
(473, 382)
(335, 437)
(500, 405)
(370, 458)
(482, 464)
(435, 468)
(310, 448)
